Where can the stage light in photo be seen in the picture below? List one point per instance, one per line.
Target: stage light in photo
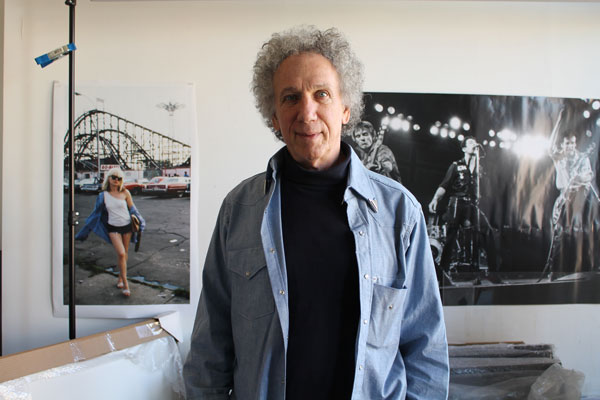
(533, 147)
(455, 123)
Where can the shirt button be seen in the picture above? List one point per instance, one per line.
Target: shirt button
(366, 276)
(361, 233)
(360, 367)
(247, 273)
(365, 322)
(272, 250)
(391, 306)
(282, 292)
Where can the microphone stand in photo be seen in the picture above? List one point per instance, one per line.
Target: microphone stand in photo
(475, 239)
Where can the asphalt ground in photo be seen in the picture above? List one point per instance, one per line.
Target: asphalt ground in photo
(159, 273)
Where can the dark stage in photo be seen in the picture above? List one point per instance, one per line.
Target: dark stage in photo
(508, 186)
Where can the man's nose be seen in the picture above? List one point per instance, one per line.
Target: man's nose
(307, 109)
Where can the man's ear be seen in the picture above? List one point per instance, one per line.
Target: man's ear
(275, 122)
(346, 116)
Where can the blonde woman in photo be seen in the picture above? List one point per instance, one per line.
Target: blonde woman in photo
(111, 220)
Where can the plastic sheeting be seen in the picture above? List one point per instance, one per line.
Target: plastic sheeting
(510, 371)
(149, 371)
(557, 383)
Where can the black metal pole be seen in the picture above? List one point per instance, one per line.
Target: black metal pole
(71, 216)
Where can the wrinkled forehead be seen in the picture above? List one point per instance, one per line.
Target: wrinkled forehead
(362, 131)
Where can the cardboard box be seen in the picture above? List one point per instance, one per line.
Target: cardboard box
(29, 362)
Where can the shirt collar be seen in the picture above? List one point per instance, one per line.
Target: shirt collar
(358, 182)
(335, 176)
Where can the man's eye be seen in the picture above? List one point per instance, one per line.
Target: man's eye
(322, 94)
(290, 97)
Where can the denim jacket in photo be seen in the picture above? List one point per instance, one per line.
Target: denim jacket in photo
(239, 340)
(97, 221)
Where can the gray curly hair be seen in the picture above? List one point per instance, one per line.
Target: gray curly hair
(332, 45)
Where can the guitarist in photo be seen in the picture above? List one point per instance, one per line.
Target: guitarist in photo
(573, 208)
(375, 155)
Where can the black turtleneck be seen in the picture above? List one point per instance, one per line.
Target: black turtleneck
(322, 282)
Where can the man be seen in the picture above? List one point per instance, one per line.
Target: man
(319, 281)
(573, 209)
(375, 155)
(462, 213)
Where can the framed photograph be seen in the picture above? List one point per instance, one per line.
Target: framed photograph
(508, 186)
(141, 138)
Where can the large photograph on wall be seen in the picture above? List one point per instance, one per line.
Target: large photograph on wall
(508, 186)
(133, 155)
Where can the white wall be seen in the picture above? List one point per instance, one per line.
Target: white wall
(1, 152)
(518, 48)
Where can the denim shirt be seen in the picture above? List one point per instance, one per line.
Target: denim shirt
(97, 221)
(239, 339)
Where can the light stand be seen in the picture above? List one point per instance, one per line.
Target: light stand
(43, 61)
(72, 215)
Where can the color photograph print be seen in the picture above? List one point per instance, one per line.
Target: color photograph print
(139, 136)
(508, 186)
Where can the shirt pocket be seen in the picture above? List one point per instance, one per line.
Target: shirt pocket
(386, 316)
(251, 294)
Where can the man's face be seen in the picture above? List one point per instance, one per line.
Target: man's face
(470, 145)
(363, 138)
(309, 111)
(570, 144)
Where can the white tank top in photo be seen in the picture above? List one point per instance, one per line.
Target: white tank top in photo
(118, 213)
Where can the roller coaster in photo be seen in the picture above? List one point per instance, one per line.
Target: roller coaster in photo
(103, 137)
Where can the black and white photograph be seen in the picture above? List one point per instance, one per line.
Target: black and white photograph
(508, 186)
(133, 192)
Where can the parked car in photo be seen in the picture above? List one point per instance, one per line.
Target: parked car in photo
(135, 186)
(93, 187)
(171, 186)
(80, 182)
(177, 186)
(152, 187)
